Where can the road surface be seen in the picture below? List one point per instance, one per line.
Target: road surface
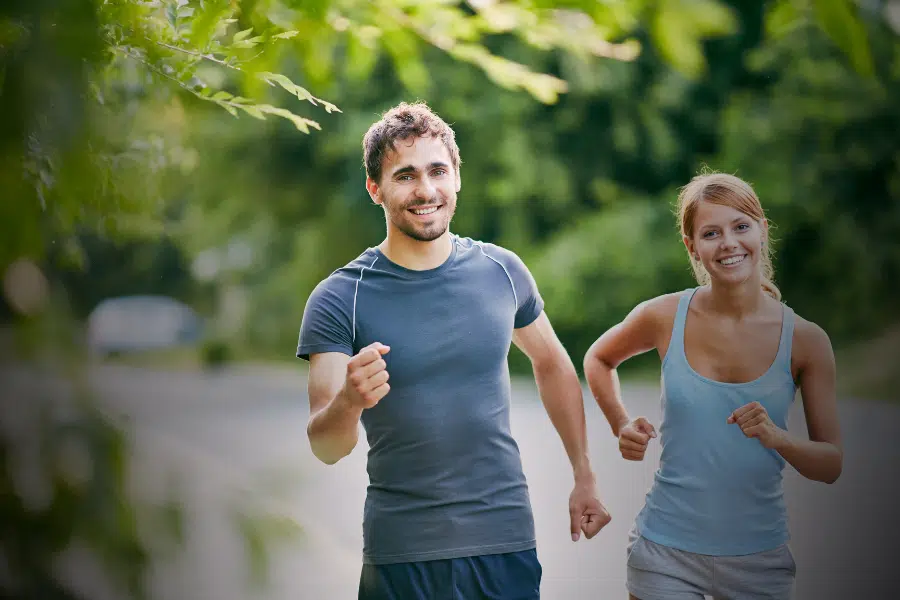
(237, 439)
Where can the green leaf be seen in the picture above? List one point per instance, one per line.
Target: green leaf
(221, 95)
(838, 19)
(248, 43)
(782, 19)
(287, 84)
(253, 111)
(242, 34)
(286, 35)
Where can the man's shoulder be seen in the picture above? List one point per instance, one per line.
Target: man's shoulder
(343, 279)
(488, 250)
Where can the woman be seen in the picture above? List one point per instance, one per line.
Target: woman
(733, 356)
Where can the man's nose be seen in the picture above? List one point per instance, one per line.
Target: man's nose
(425, 189)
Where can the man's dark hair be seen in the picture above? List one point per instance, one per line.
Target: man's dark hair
(401, 122)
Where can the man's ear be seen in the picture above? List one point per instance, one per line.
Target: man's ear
(458, 181)
(374, 190)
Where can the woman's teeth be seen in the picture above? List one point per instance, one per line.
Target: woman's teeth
(732, 260)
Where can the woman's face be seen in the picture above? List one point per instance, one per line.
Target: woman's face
(727, 242)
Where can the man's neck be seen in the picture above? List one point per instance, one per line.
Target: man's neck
(414, 255)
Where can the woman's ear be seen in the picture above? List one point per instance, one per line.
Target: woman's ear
(689, 244)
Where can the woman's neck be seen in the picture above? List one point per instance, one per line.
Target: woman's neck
(736, 301)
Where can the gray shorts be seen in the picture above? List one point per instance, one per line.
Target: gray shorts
(657, 572)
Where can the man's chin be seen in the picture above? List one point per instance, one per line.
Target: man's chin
(428, 234)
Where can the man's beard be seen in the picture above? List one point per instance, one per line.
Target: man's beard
(427, 234)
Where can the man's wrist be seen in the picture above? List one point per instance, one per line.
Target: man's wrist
(582, 471)
(620, 424)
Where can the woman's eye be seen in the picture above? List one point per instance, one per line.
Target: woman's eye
(709, 234)
(743, 227)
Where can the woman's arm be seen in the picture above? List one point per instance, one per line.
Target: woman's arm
(638, 333)
(820, 457)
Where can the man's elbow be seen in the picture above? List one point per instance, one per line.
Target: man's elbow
(328, 454)
(327, 450)
(554, 365)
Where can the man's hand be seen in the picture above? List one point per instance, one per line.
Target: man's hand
(633, 438)
(755, 422)
(366, 383)
(586, 513)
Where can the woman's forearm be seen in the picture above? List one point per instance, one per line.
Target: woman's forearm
(819, 461)
(603, 382)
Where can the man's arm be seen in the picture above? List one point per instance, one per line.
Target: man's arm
(340, 388)
(561, 394)
(559, 388)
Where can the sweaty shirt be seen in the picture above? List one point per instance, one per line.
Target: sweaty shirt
(445, 475)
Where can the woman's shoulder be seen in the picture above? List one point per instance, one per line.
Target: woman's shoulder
(810, 340)
(660, 310)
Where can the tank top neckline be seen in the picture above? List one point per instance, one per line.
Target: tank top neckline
(784, 344)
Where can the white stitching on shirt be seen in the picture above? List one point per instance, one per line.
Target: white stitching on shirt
(356, 291)
(508, 276)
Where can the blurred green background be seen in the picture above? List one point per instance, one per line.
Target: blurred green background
(209, 151)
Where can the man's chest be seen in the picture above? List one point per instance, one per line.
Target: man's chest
(432, 330)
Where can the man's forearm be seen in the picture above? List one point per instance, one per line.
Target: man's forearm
(603, 382)
(334, 430)
(561, 395)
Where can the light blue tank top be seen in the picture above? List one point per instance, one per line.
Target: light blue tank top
(716, 491)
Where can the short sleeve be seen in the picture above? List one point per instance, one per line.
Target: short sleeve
(529, 304)
(327, 324)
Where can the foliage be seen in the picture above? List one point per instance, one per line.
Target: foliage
(121, 161)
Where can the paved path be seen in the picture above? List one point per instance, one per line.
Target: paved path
(237, 439)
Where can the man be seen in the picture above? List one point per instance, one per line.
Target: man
(412, 338)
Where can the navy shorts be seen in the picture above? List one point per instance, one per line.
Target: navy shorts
(511, 576)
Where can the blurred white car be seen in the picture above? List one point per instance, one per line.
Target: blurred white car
(137, 323)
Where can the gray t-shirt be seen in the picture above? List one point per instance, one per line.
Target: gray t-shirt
(445, 475)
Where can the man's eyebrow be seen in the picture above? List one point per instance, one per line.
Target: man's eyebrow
(405, 169)
(411, 169)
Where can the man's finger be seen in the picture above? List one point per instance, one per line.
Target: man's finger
(635, 436)
(370, 353)
(627, 444)
(374, 396)
(370, 370)
(375, 381)
(644, 426)
(632, 455)
(575, 523)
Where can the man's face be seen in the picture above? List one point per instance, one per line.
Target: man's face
(418, 188)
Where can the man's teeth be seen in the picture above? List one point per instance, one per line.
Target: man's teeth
(732, 260)
(425, 211)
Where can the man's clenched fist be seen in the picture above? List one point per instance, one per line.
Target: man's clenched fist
(367, 376)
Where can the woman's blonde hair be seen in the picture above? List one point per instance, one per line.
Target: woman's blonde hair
(726, 190)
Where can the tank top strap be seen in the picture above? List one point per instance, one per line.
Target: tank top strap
(787, 339)
(676, 342)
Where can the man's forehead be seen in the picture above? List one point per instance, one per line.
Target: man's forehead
(414, 150)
